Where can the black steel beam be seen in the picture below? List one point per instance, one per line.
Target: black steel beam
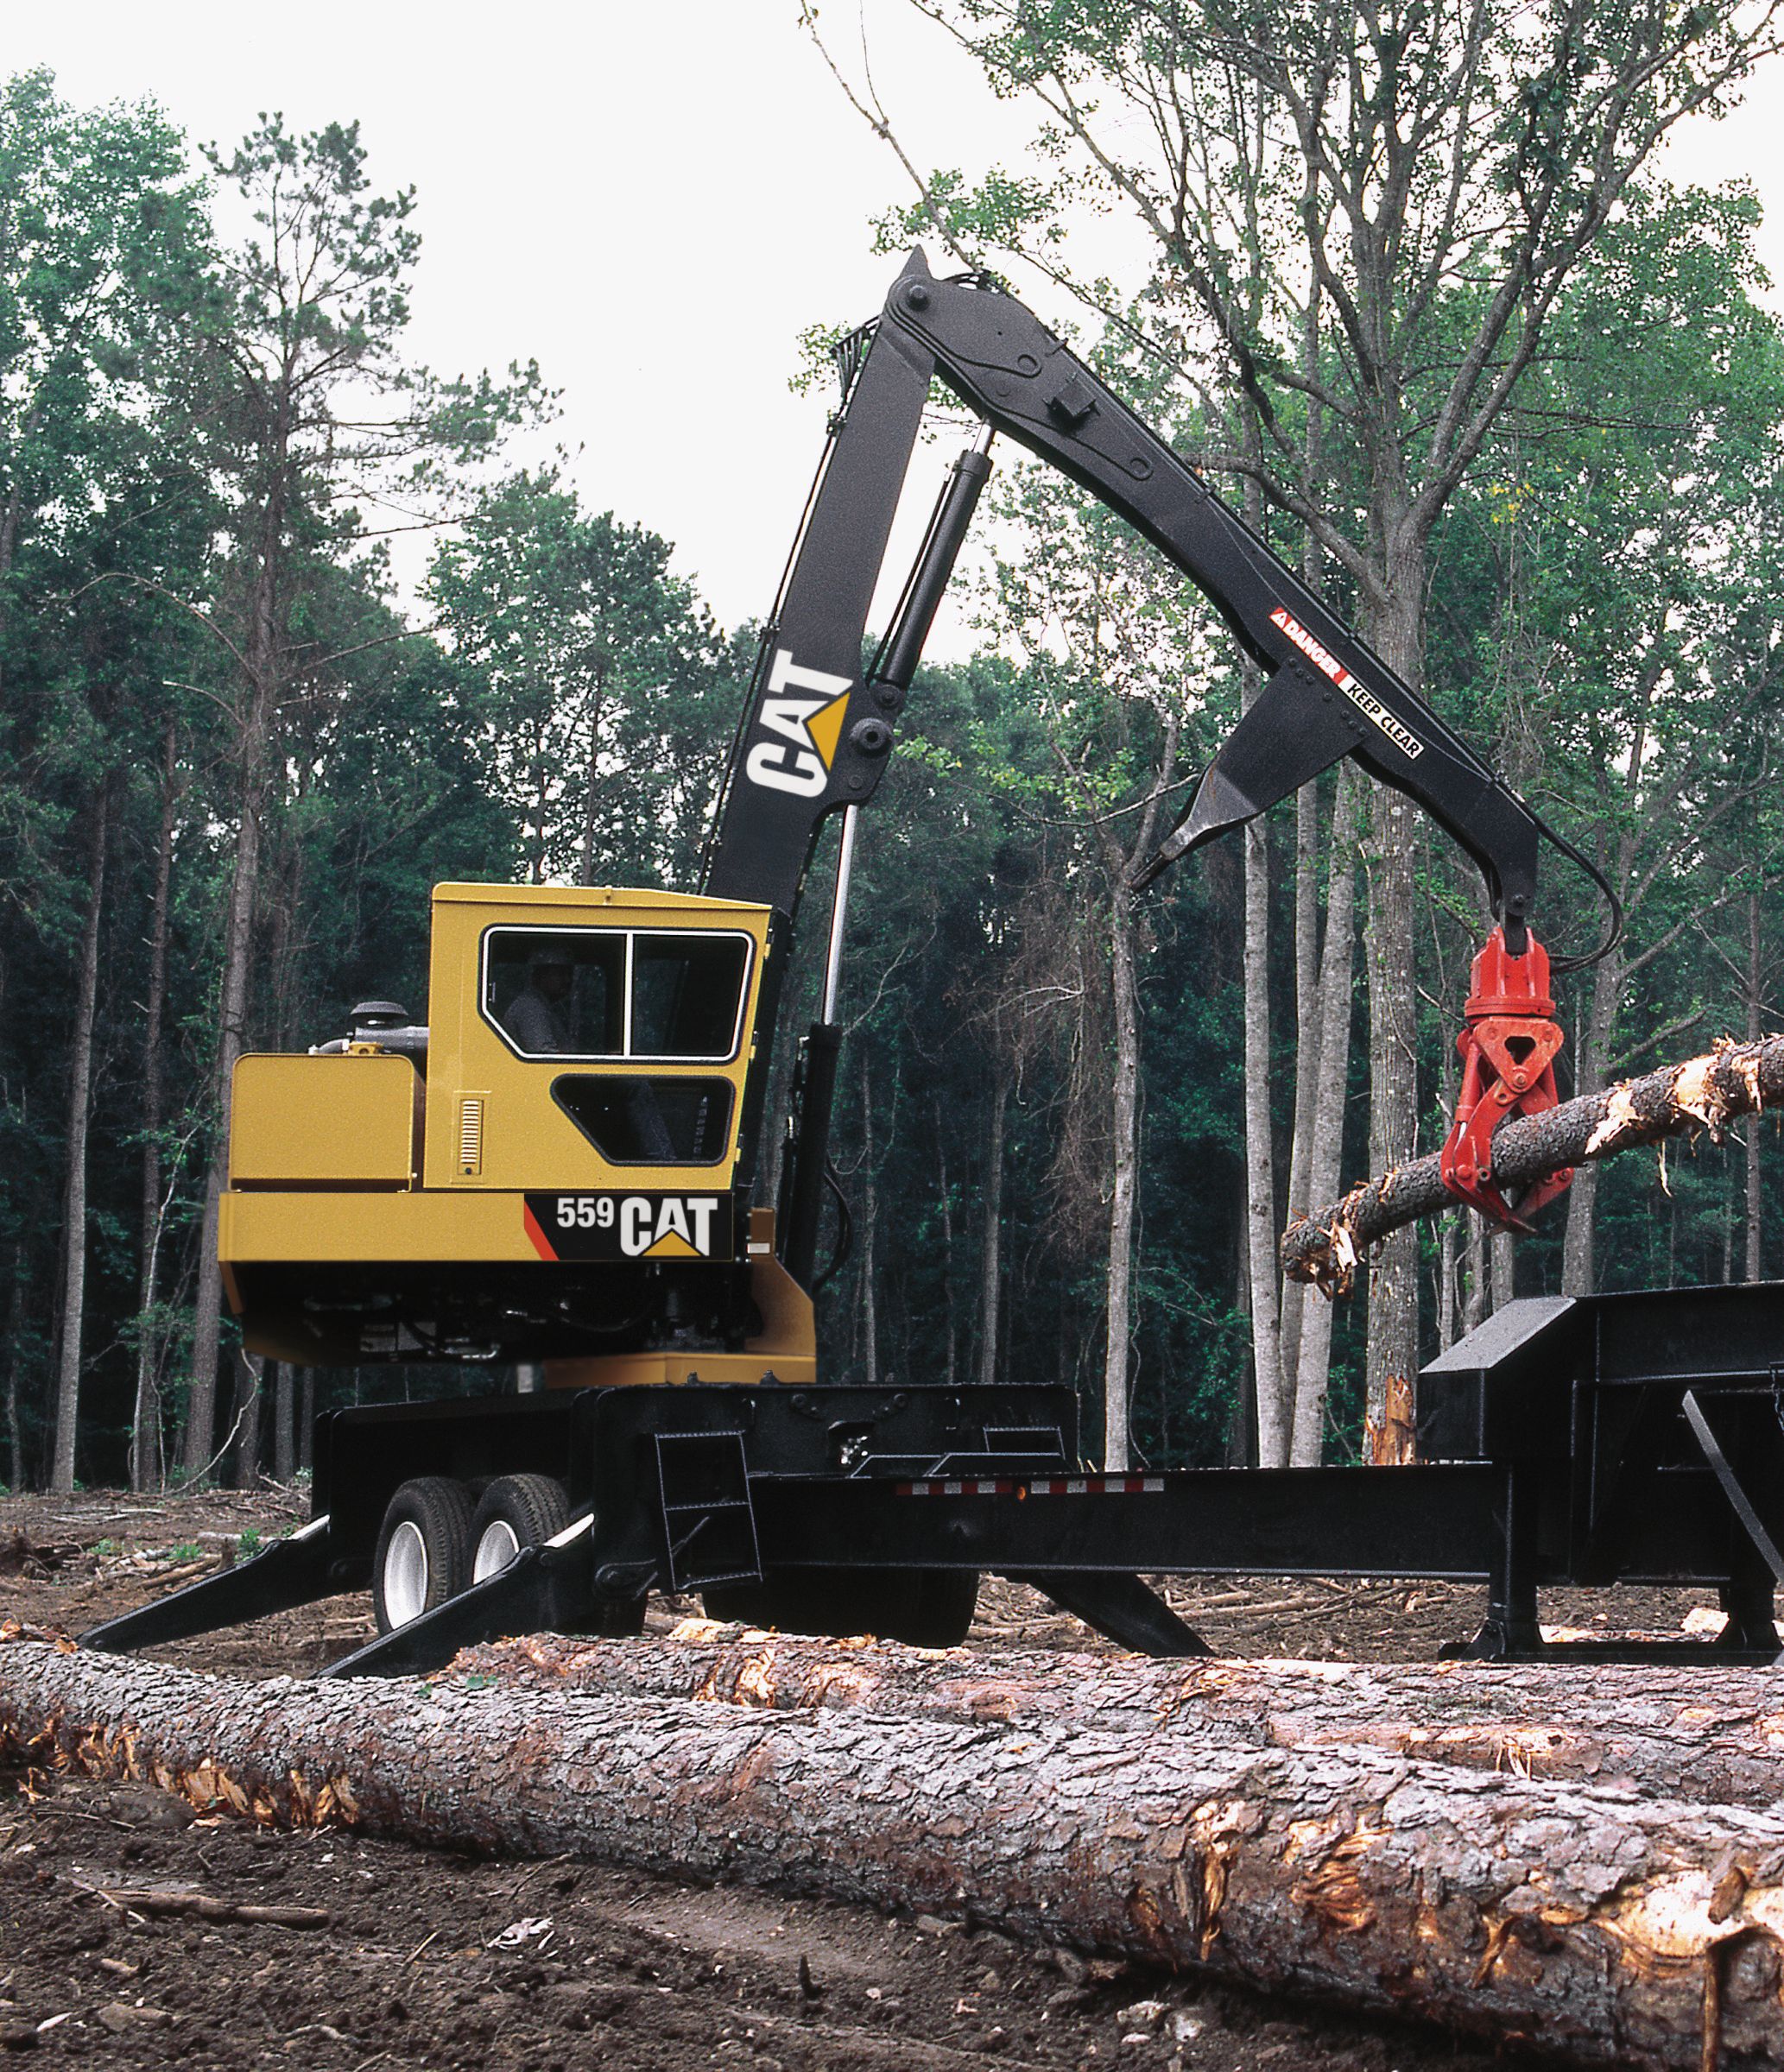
(290, 1572)
(543, 1589)
(1308, 1521)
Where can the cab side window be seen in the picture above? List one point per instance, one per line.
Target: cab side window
(558, 992)
(617, 991)
(686, 994)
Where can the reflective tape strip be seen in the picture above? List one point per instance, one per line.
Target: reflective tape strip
(1099, 1485)
(1078, 1485)
(978, 1488)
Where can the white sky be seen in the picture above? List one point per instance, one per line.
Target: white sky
(654, 201)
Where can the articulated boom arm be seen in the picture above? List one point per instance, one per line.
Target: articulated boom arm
(814, 741)
(1326, 694)
(815, 735)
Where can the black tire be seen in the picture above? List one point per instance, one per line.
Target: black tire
(923, 1607)
(523, 1509)
(424, 1551)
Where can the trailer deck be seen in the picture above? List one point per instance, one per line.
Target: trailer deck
(1634, 1438)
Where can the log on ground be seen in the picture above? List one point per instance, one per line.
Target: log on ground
(1713, 1733)
(1603, 1926)
(1708, 1092)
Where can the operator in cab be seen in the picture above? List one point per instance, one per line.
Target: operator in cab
(535, 1016)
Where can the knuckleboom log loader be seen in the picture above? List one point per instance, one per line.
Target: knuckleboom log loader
(566, 1167)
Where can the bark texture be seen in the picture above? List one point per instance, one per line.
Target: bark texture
(1706, 1092)
(1665, 1729)
(1614, 1929)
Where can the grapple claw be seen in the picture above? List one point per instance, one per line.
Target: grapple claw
(1508, 1046)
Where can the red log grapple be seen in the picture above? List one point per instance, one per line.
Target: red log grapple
(1508, 1046)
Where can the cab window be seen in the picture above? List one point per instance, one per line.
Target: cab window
(557, 992)
(687, 993)
(632, 1120)
(616, 993)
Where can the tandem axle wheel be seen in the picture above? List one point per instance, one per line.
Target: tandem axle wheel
(435, 1543)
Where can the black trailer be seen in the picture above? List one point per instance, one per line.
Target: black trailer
(1606, 1439)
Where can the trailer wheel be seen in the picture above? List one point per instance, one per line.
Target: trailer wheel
(516, 1510)
(923, 1607)
(424, 1551)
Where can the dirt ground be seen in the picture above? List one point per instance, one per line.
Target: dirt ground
(422, 1958)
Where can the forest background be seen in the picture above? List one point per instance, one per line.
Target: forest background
(1416, 295)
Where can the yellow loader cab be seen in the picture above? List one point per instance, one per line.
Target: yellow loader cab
(550, 1169)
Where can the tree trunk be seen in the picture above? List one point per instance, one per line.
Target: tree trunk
(1123, 1181)
(1754, 981)
(1503, 1250)
(1703, 1093)
(1275, 1409)
(870, 1220)
(1124, 1103)
(992, 1262)
(945, 1198)
(1393, 1345)
(1275, 1412)
(261, 660)
(1618, 1930)
(1393, 1338)
(145, 1413)
(284, 1453)
(246, 1422)
(1474, 1306)
(1292, 1305)
(237, 946)
(15, 1354)
(80, 1080)
(1449, 1280)
(1314, 1360)
(306, 1422)
(1615, 1725)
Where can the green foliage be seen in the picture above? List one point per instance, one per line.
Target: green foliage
(600, 682)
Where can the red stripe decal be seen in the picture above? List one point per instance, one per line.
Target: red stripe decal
(541, 1243)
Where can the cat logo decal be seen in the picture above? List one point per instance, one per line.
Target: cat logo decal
(803, 709)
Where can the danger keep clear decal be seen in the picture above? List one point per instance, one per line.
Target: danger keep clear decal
(629, 1226)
